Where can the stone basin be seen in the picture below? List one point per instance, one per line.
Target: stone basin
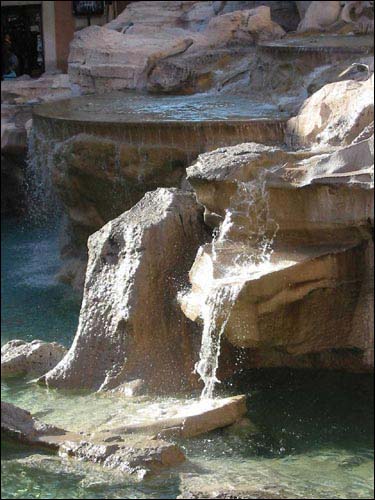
(328, 43)
(100, 154)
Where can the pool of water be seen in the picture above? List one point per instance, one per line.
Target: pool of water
(311, 434)
(129, 107)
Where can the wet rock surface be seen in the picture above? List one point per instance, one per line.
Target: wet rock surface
(200, 417)
(20, 358)
(139, 456)
(19, 424)
(132, 144)
(230, 494)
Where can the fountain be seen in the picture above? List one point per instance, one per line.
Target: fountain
(249, 253)
(108, 150)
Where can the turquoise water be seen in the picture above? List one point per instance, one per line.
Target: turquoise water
(312, 433)
(33, 304)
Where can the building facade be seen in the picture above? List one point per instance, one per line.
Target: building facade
(38, 33)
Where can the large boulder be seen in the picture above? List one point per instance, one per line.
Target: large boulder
(130, 324)
(29, 358)
(334, 115)
(248, 25)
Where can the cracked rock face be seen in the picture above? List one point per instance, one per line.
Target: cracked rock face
(131, 326)
(29, 358)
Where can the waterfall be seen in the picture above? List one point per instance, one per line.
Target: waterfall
(42, 199)
(241, 249)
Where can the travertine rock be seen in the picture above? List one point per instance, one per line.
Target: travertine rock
(30, 358)
(322, 203)
(357, 16)
(124, 53)
(198, 418)
(334, 115)
(18, 424)
(139, 455)
(130, 324)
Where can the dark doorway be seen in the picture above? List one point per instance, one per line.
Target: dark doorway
(21, 34)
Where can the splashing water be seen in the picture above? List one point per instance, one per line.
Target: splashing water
(248, 229)
(43, 201)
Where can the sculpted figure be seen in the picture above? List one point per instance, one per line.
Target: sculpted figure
(319, 16)
(360, 15)
(333, 16)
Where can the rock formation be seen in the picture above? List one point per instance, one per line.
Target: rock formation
(139, 456)
(321, 202)
(29, 358)
(189, 420)
(149, 33)
(137, 450)
(97, 170)
(17, 423)
(130, 324)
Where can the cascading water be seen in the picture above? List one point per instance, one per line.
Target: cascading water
(43, 203)
(241, 248)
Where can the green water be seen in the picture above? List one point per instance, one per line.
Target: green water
(312, 435)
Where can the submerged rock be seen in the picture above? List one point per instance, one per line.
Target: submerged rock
(220, 492)
(18, 424)
(139, 455)
(131, 326)
(198, 417)
(30, 358)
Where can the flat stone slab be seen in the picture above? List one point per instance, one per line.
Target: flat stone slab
(139, 455)
(18, 424)
(189, 421)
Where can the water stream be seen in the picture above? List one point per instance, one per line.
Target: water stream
(248, 228)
